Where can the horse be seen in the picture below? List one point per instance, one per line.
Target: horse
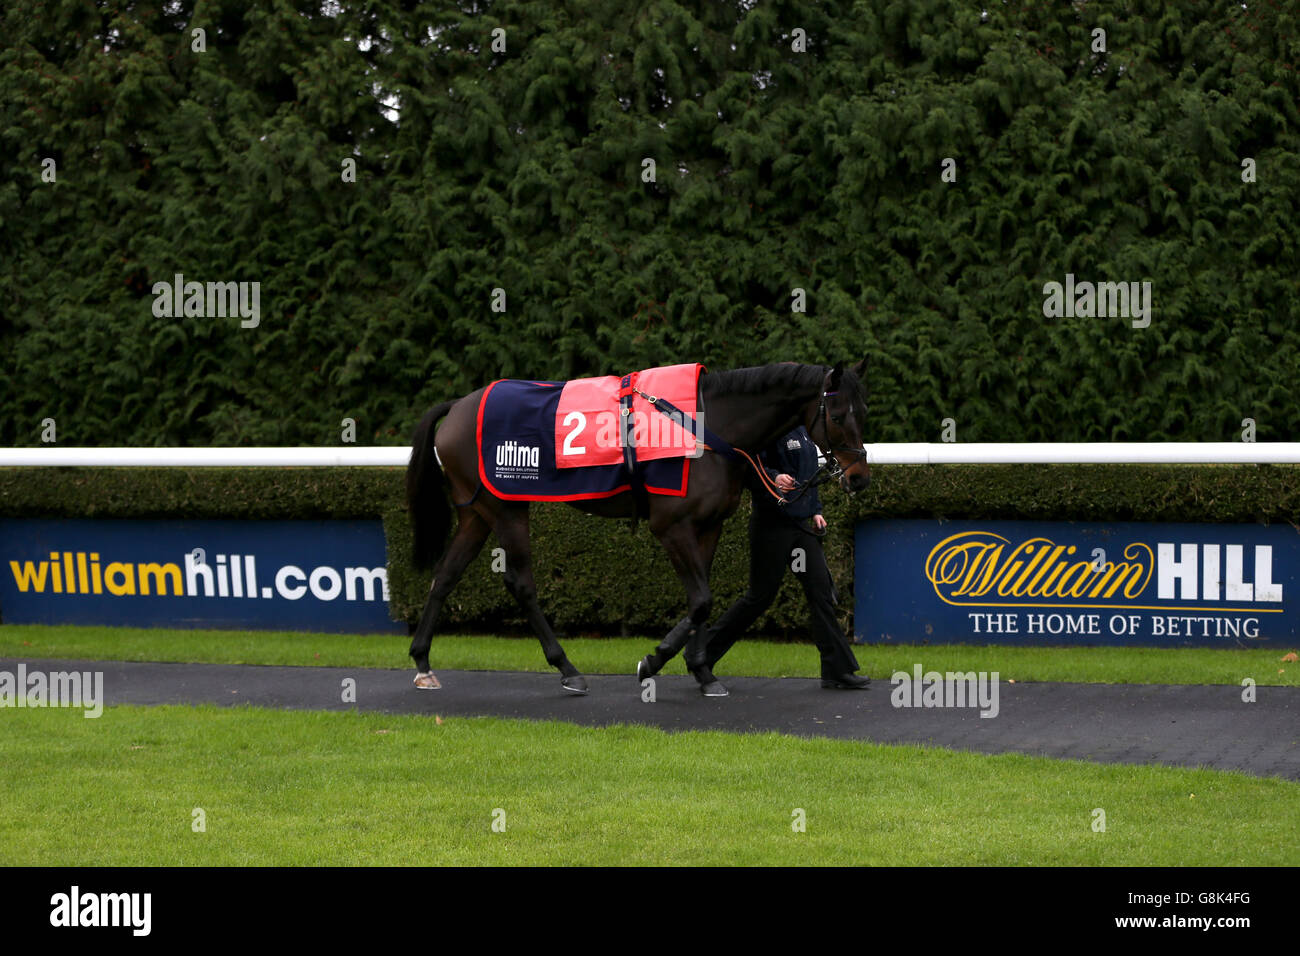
(747, 409)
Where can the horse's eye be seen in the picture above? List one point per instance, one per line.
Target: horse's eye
(838, 419)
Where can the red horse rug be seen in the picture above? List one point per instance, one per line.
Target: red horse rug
(589, 437)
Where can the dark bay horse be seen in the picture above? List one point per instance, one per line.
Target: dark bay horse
(748, 408)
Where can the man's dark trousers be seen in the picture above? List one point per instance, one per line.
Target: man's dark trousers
(771, 541)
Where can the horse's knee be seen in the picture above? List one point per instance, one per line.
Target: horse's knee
(523, 589)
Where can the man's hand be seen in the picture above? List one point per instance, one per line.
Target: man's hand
(819, 522)
(785, 483)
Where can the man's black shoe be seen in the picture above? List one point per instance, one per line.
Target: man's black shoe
(846, 682)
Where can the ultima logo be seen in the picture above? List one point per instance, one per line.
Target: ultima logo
(972, 565)
(514, 454)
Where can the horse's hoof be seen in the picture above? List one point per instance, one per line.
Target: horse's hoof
(575, 685)
(713, 689)
(427, 681)
(645, 668)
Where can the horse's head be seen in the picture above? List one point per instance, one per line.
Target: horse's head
(837, 421)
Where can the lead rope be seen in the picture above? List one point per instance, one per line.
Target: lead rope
(768, 484)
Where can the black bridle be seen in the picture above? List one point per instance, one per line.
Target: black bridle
(831, 469)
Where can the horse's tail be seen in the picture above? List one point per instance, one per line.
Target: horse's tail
(426, 498)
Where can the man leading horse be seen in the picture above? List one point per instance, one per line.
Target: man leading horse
(747, 409)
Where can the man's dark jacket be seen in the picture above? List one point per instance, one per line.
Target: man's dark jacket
(793, 454)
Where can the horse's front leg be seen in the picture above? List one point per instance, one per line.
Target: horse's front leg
(675, 640)
(691, 554)
(667, 649)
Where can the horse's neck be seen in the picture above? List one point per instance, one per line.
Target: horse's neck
(753, 422)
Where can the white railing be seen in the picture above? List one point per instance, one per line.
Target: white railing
(1078, 453)
(955, 453)
(368, 455)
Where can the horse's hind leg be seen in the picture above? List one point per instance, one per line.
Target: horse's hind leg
(465, 546)
(512, 532)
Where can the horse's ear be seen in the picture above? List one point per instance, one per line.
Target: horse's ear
(837, 374)
(860, 370)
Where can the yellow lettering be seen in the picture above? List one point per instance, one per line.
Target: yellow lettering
(1052, 562)
(124, 571)
(1081, 585)
(971, 564)
(1036, 560)
(1131, 552)
(1115, 575)
(987, 559)
(157, 571)
(1007, 573)
(29, 575)
(1060, 583)
(954, 561)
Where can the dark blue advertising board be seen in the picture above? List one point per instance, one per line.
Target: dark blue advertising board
(1076, 583)
(289, 575)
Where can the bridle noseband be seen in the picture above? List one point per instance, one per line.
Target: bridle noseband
(831, 469)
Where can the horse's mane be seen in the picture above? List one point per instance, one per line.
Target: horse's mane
(762, 378)
(850, 385)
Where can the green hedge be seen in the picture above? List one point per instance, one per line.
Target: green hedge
(520, 169)
(596, 575)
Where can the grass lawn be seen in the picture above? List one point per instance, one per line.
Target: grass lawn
(315, 788)
(1115, 665)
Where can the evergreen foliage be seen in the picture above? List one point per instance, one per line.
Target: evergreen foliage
(521, 169)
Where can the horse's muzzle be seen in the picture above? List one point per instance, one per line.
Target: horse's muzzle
(853, 483)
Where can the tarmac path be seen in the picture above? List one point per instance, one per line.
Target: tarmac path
(1180, 725)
